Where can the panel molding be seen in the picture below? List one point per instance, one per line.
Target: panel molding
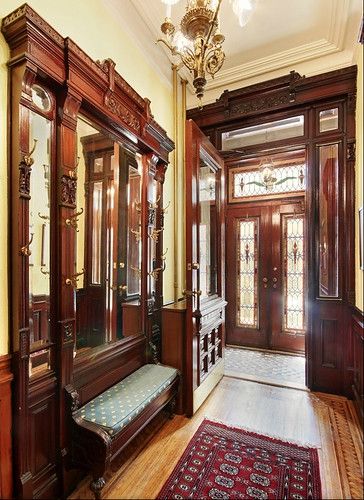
(6, 481)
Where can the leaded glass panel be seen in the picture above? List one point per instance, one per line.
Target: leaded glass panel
(293, 244)
(247, 268)
(284, 179)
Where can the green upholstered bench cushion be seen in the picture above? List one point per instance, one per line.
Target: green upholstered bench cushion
(119, 405)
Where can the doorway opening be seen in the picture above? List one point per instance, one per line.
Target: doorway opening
(266, 284)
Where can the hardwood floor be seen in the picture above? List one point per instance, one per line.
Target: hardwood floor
(326, 422)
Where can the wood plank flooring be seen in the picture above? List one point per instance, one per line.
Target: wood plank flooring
(326, 422)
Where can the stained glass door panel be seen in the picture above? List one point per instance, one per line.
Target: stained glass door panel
(288, 282)
(266, 276)
(246, 267)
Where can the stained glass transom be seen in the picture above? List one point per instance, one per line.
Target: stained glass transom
(293, 237)
(247, 263)
(290, 178)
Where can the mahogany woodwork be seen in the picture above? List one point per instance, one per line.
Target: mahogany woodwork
(357, 333)
(205, 317)
(269, 333)
(328, 343)
(93, 449)
(76, 84)
(6, 469)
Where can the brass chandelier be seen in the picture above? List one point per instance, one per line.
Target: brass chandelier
(198, 43)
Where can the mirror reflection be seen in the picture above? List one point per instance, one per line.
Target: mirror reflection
(207, 230)
(108, 239)
(39, 238)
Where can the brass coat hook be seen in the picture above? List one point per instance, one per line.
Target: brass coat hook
(44, 217)
(73, 220)
(165, 209)
(155, 234)
(163, 256)
(137, 234)
(43, 271)
(156, 271)
(25, 250)
(72, 281)
(154, 205)
(28, 160)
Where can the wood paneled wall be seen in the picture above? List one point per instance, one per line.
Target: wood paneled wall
(357, 350)
(6, 481)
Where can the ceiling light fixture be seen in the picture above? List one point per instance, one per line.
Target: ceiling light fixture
(198, 41)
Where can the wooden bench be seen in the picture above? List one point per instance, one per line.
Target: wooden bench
(102, 427)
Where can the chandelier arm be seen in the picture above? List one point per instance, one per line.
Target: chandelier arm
(167, 44)
(213, 23)
(219, 56)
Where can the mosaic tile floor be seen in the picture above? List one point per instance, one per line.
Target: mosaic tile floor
(267, 367)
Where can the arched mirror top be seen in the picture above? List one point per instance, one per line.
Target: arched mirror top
(41, 99)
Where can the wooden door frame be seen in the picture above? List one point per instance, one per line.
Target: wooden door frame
(329, 349)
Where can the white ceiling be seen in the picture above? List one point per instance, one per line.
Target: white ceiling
(310, 36)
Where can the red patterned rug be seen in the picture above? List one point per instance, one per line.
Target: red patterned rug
(232, 463)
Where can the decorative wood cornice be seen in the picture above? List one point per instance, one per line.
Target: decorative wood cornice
(278, 93)
(33, 41)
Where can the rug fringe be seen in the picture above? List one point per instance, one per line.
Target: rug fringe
(303, 444)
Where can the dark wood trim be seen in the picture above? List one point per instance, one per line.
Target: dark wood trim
(6, 468)
(328, 338)
(357, 366)
(77, 84)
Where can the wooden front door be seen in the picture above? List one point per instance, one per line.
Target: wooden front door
(265, 280)
(205, 244)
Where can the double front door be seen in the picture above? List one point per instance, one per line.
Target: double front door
(265, 285)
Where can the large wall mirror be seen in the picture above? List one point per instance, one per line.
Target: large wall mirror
(108, 243)
(38, 250)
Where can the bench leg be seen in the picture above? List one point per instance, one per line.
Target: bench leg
(96, 486)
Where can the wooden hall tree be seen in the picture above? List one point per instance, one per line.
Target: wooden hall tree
(326, 104)
(55, 87)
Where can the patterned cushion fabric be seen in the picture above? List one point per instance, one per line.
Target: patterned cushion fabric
(120, 404)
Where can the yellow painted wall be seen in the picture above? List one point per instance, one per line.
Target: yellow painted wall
(359, 177)
(100, 36)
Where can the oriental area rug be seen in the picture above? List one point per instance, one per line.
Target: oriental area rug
(223, 462)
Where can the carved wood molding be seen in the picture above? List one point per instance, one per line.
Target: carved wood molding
(261, 104)
(68, 188)
(96, 83)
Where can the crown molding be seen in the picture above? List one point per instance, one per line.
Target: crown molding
(137, 28)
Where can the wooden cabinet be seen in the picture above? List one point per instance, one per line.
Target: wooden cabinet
(87, 168)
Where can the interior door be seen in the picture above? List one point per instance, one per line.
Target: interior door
(266, 282)
(205, 241)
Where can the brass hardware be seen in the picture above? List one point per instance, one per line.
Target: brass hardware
(265, 280)
(73, 220)
(72, 281)
(121, 265)
(44, 271)
(25, 250)
(165, 209)
(155, 234)
(274, 269)
(155, 272)
(44, 217)
(28, 160)
(138, 206)
(275, 280)
(136, 270)
(123, 288)
(163, 256)
(137, 234)
(154, 205)
(191, 293)
(194, 265)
